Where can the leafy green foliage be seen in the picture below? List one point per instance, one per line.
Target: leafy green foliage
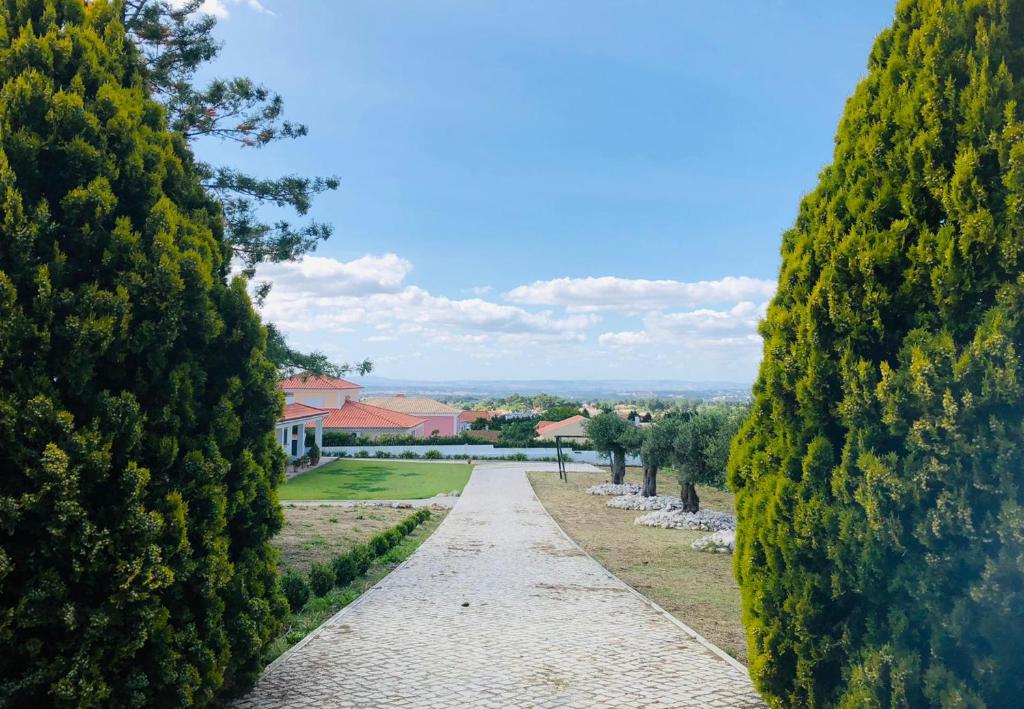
(700, 450)
(176, 42)
(295, 589)
(608, 433)
(560, 412)
(321, 579)
(879, 477)
(136, 403)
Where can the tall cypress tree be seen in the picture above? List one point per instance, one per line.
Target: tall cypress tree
(137, 492)
(880, 476)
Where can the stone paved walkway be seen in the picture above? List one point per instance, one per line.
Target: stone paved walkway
(499, 609)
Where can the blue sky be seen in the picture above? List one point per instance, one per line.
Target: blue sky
(546, 189)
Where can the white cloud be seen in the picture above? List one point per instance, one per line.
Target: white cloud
(482, 290)
(637, 294)
(324, 293)
(317, 276)
(219, 8)
(704, 328)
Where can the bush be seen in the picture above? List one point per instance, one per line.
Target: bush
(314, 454)
(346, 568)
(321, 579)
(138, 461)
(880, 476)
(363, 556)
(379, 544)
(382, 454)
(362, 454)
(433, 454)
(295, 589)
(409, 455)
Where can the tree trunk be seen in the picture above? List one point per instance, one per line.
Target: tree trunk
(618, 467)
(650, 488)
(688, 494)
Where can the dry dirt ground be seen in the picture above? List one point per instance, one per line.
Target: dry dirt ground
(312, 534)
(696, 587)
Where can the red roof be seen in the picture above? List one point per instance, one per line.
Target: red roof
(293, 412)
(355, 414)
(552, 425)
(300, 382)
(471, 416)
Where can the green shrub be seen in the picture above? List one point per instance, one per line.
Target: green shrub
(880, 476)
(346, 568)
(321, 579)
(409, 455)
(433, 454)
(394, 538)
(379, 544)
(363, 556)
(295, 589)
(138, 491)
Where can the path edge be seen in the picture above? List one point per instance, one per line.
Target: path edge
(284, 656)
(729, 659)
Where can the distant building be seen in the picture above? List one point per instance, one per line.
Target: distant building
(573, 426)
(468, 418)
(439, 417)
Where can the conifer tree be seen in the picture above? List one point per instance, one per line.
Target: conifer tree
(137, 493)
(880, 475)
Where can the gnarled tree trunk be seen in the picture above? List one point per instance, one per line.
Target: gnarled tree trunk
(650, 488)
(618, 467)
(688, 494)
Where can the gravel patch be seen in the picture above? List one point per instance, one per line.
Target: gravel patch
(723, 542)
(671, 518)
(608, 489)
(639, 502)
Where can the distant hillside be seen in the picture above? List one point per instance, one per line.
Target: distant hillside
(570, 389)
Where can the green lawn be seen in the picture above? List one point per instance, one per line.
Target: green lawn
(376, 480)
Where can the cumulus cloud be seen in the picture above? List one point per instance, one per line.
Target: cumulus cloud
(734, 327)
(638, 294)
(318, 276)
(324, 293)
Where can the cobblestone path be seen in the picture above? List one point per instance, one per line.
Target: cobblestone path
(499, 609)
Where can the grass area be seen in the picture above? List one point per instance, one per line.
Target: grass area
(696, 587)
(376, 480)
(317, 610)
(320, 533)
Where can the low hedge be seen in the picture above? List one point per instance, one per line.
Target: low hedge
(346, 568)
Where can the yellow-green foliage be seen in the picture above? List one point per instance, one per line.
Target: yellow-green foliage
(137, 461)
(880, 476)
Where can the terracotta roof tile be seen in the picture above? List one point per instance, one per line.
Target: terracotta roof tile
(412, 405)
(356, 414)
(299, 382)
(295, 411)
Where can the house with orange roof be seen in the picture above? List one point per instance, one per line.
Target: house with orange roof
(468, 418)
(291, 428)
(572, 426)
(321, 392)
(372, 422)
(338, 400)
(440, 418)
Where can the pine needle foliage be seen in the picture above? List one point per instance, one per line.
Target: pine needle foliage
(880, 476)
(137, 494)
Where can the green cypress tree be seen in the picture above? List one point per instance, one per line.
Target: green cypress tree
(137, 493)
(880, 476)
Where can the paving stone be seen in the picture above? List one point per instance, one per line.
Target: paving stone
(546, 626)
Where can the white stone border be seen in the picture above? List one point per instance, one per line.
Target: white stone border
(284, 656)
(732, 661)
